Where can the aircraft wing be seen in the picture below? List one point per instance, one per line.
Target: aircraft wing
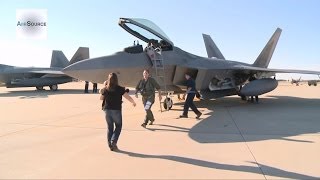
(245, 68)
(47, 72)
(259, 69)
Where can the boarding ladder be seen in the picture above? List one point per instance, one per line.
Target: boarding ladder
(158, 65)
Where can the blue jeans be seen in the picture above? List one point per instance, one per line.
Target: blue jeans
(113, 117)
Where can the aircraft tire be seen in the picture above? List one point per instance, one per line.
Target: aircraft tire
(243, 98)
(167, 103)
(39, 88)
(54, 87)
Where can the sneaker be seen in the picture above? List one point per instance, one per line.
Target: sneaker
(198, 115)
(144, 125)
(151, 122)
(183, 116)
(114, 147)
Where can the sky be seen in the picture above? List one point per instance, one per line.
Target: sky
(240, 28)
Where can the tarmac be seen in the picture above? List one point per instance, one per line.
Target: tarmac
(62, 135)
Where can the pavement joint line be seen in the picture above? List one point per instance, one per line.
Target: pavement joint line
(17, 132)
(246, 143)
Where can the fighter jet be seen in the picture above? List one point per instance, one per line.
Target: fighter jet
(12, 76)
(215, 77)
(296, 81)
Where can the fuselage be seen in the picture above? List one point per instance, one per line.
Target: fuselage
(129, 67)
(13, 76)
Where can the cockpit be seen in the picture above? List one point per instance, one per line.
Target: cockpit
(146, 31)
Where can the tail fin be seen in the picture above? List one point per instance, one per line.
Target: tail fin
(58, 59)
(81, 54)
(212, 49)
(264, 57)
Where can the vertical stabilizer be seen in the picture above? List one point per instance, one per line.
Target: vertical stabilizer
(81, 54)
(212, 49)
(264, 58)
(58, 59)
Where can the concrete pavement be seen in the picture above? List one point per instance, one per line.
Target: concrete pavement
(51, 135)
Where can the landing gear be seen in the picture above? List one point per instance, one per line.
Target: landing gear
(54, 87)
(244, 98)
(167, 103)
(39, 88)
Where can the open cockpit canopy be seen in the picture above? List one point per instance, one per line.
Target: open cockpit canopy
(147, 31)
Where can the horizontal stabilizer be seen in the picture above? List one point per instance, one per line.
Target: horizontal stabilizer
(212, 49)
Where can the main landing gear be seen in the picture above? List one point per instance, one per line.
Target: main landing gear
(52, 87)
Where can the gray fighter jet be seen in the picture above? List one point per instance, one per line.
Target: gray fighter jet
(296, 81)
(12, 77)
(215, 77)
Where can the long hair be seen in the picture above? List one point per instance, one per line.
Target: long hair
(112, 81)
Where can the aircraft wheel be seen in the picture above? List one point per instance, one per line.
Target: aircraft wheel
(244, 98)
(39, 88)
(53, 87)
(167, 103)
(315, 84)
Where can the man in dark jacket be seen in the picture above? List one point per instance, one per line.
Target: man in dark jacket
(191, 92)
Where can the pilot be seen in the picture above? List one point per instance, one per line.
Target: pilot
(146, 87)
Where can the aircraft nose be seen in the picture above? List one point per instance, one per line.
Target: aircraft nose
(97, 69)
(84, 70)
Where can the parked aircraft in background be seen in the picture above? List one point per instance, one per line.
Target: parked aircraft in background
(12, 76)
(215, 77)
(296, 81)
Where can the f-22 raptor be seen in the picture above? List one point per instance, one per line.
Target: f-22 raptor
(296, 81)
(13, 77)
(215, 77)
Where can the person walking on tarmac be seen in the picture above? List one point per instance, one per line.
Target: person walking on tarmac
(111, 95)
(191, 92)
(146, 87)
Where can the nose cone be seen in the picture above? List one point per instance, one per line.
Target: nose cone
(83, 70)
(97, 69)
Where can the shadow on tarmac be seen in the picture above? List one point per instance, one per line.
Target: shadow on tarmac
(274, 117)
(256, 168)
(41, 93)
